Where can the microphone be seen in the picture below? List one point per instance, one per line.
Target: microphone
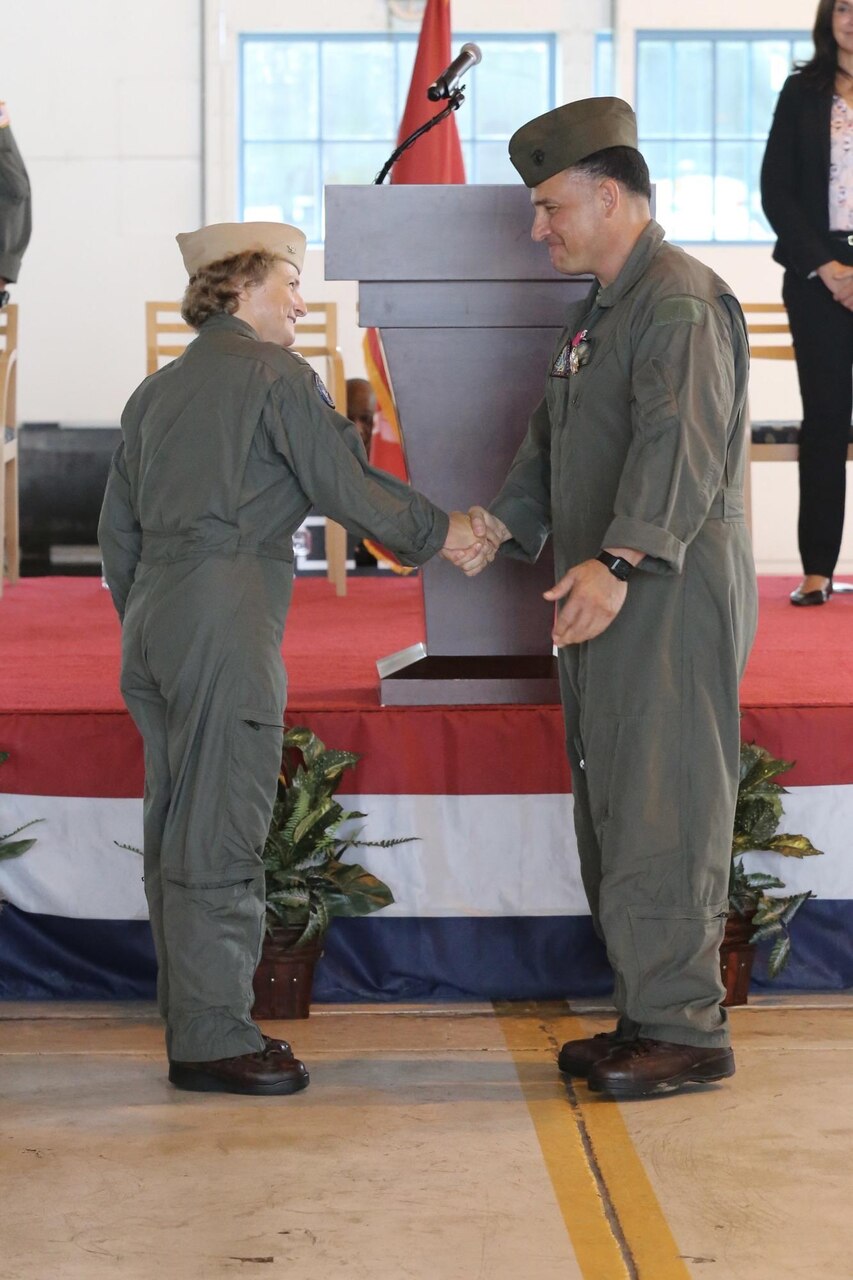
(468, 56)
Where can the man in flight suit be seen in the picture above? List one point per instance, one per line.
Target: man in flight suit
(223, 454)
(15, 216)
(634, 463)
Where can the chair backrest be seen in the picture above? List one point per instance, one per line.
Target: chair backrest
(167, 336)
(773, 319)
(317, 338)
(9, 372)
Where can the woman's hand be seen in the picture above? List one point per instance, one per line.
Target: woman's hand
(839, 281)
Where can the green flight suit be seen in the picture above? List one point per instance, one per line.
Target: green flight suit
(223, 454)
(645, 446)
(15, 205)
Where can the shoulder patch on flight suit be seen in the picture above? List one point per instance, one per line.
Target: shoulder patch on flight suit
(321, 390)
(673, 310)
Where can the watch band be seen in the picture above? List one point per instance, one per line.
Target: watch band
(618, 565)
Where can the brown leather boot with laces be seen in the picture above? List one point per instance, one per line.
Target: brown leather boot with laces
(266, 1074)
(578, 1057)
(643, 1067)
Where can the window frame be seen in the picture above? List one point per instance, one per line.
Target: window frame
(397, 39)
(713, 140)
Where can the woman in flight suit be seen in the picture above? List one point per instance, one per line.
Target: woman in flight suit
(223, 454)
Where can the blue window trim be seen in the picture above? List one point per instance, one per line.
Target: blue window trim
(549, 38)
(603, 40)
(714, 36)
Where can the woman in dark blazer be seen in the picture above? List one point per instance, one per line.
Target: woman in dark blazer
(807, 194)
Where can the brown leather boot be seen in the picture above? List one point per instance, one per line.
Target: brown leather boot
(267, 1074)
(278, 1046)
(578, 1057)
(640, 1068)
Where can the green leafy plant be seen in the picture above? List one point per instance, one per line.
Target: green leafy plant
(307, 881)
(757, 817)
(9, 847)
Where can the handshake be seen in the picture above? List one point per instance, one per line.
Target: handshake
(473, 540)
(587, 598)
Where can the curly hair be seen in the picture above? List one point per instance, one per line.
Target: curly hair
(214, 289)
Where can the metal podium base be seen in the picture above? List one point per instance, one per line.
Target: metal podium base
(413, 678)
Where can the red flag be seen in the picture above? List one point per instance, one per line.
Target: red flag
(385, 450)
(435, 157)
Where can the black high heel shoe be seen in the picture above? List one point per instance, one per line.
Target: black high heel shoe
(820, 596)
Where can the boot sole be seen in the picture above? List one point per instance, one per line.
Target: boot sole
(707, 1074)
(581, 1070)
(204, 1082)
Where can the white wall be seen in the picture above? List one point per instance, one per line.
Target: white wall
(106, 104)
(574, 21)
(750, 270)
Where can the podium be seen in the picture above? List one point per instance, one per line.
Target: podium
(469, 309)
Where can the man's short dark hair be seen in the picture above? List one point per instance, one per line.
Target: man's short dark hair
(624, 165)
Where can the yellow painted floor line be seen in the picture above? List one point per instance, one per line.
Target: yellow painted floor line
(614, 1220)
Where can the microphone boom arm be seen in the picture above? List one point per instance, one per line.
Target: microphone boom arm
(455, 100)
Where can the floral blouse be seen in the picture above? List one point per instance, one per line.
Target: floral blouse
(841, 166)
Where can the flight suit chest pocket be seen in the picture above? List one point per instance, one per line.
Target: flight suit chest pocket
(590, 365)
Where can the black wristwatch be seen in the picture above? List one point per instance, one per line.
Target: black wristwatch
(618, 565)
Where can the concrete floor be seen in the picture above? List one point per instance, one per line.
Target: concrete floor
(434, 1142)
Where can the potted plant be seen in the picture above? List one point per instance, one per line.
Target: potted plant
(756, 915)
(307, 881)
(9, 847)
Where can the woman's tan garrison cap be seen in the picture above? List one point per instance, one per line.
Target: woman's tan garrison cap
(224, 239)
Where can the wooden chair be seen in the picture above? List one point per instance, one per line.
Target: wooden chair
(777, 324)
(167, 336)
(779, 348)
(10, 551)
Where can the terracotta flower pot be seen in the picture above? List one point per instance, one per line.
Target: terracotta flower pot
(736, 956)
(284, 977)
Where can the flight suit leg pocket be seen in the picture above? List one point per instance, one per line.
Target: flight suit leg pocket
(598, 758)
(673, 967)
(224, 752)
(256, 749)
(632, 771)
(221, 821)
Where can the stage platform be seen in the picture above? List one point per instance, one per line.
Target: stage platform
(488, 901)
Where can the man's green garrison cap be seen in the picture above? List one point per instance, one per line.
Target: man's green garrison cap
(569, 134)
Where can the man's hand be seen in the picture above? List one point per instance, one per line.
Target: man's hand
(593, 599)
(460, 540)
(839, 281)
(489, 533)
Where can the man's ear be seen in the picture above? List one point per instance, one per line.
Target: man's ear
(610, 194)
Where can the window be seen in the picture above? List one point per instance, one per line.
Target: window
(603, 76)
(705, 101)
(325, 109)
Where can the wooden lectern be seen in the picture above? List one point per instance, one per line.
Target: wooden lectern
(469, 309)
